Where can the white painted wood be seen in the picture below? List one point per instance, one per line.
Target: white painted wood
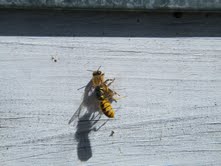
(171, 115)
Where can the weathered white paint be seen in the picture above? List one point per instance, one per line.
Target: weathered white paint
(171, 115)
(116, 4)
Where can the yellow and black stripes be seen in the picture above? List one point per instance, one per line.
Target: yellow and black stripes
(104, 103)
(106, 108)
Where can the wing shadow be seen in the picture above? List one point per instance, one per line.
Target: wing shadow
(86, 122)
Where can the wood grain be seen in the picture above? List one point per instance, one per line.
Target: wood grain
(171, 115)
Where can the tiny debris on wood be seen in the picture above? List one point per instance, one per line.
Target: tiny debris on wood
(54, 59)
(112, 133)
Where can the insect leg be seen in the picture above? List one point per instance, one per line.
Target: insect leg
(112, 80)
(115, 99)
(102, 125)
(81, 87)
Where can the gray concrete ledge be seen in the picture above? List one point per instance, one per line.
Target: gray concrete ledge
(142, 5)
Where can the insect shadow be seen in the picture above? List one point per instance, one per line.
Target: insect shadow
(86, 123)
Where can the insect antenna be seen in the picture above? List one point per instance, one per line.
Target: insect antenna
(81, 87)
(119, 88)
(98, 68)
(90, 70)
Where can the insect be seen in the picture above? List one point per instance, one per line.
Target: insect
(104, 101)
(98, 79)
(100, 87)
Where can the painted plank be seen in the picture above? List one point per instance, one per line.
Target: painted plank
(171, 115)
(144, 5)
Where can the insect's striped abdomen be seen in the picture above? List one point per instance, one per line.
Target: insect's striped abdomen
(106, 108)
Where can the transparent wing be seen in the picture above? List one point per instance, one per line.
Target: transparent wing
(76, 115)
(82, 109)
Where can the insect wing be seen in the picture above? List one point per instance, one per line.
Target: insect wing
(78, 114)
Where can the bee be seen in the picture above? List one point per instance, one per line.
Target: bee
(100, 87)
(98, 80)
(98, 77)
(105, 101)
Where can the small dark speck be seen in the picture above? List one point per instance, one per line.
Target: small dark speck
(54, 59)
(178, 14)
(7, 148)
(138, 20)
(215, 104)
(112, 133)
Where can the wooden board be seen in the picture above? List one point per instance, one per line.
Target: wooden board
(144, 5)
(171, 115)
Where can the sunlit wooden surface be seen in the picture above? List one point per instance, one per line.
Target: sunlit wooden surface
(171, 115)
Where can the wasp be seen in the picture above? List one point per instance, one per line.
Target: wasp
(103, 93)
(104, 98)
